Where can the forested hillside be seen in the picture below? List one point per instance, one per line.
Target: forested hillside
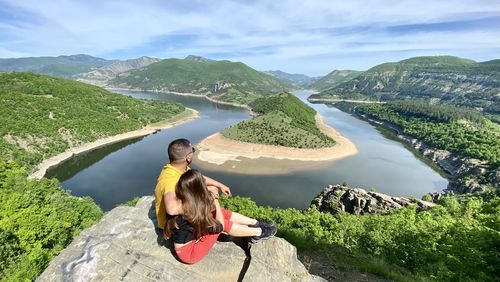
(61, 66)
(283, 120)
(334, 78)
(43, 116)
(222, 80)
(464, 132)
(440, 79)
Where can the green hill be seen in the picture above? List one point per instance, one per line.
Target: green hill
(222, 80)
(334, 78)
(43, 116)
(283, 120)
(61, 66)
(440, 79)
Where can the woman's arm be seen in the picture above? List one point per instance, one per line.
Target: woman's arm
(218, 213)
(172, 204)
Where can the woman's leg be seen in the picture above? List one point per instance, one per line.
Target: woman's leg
(242, 230)
(241, 219)
(236, 224)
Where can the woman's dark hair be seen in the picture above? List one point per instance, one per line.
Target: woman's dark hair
(197, 203)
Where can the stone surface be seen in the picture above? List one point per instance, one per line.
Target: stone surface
(335, 199)
(125, 246)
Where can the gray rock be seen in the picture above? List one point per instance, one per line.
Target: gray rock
(125, 246)
(335, 199)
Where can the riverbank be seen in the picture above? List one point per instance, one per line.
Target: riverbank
(182, 94)
(454, 165)
(187, 115)
(216, 150)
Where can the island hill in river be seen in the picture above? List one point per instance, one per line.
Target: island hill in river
(283, 128)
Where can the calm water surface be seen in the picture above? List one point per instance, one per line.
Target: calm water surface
(119, 172)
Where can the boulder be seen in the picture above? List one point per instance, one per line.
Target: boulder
(335, 199)
(126, 246)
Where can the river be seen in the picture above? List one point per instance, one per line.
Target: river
(119, 172)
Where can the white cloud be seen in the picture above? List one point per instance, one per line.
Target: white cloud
(298, 36)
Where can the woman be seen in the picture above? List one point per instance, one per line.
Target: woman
(196, 230)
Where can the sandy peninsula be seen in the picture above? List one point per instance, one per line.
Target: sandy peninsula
(42, 168)
(217, 150)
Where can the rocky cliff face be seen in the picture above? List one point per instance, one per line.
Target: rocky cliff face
(335, 199)
(125, 246)
(452, 163)
(101, 76)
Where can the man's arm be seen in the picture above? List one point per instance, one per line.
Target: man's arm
(172, 204)
(211, 182)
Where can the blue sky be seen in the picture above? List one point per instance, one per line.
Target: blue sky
(309, 37)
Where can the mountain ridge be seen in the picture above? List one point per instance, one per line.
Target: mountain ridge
(226, 81)
(436, 79)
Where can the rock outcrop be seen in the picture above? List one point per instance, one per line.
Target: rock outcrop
(335, 199)
(125, 246)
(101, 76)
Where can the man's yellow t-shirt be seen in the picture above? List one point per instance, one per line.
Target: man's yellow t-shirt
(167, 181)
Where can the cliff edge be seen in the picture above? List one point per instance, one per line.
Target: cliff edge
(125, 246)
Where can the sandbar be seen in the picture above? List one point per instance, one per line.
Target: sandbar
(217, 150)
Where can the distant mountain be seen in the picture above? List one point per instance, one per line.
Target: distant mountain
(439, 79)
(198, 59)
(301, 80)
(61, 66)
(102, 75)
(334, 78)
(226, 81)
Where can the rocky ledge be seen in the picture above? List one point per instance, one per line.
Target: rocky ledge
(335, 199)
(125, 246)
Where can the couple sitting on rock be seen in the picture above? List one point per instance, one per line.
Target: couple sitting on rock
(188, 209)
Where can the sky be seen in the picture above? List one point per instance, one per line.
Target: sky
(307, 37)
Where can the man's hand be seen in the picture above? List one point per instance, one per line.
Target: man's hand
(225, 189)
(211, 182)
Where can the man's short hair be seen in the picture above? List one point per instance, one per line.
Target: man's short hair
(178, 150)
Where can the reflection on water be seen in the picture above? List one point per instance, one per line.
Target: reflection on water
(130, 168)
(70, 167)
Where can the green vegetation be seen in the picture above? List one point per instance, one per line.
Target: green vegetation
(37, 220)
(43, 116)
(62, 66)
(283, 120)
(456, 241)
(334, 78)
(222, 80)
(462, 131)
(440, 79)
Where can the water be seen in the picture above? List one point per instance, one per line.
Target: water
(119, 172)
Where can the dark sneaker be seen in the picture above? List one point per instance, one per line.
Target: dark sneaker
(262, 223)
(267, 232)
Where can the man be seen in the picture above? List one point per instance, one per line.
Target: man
(180, 154)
